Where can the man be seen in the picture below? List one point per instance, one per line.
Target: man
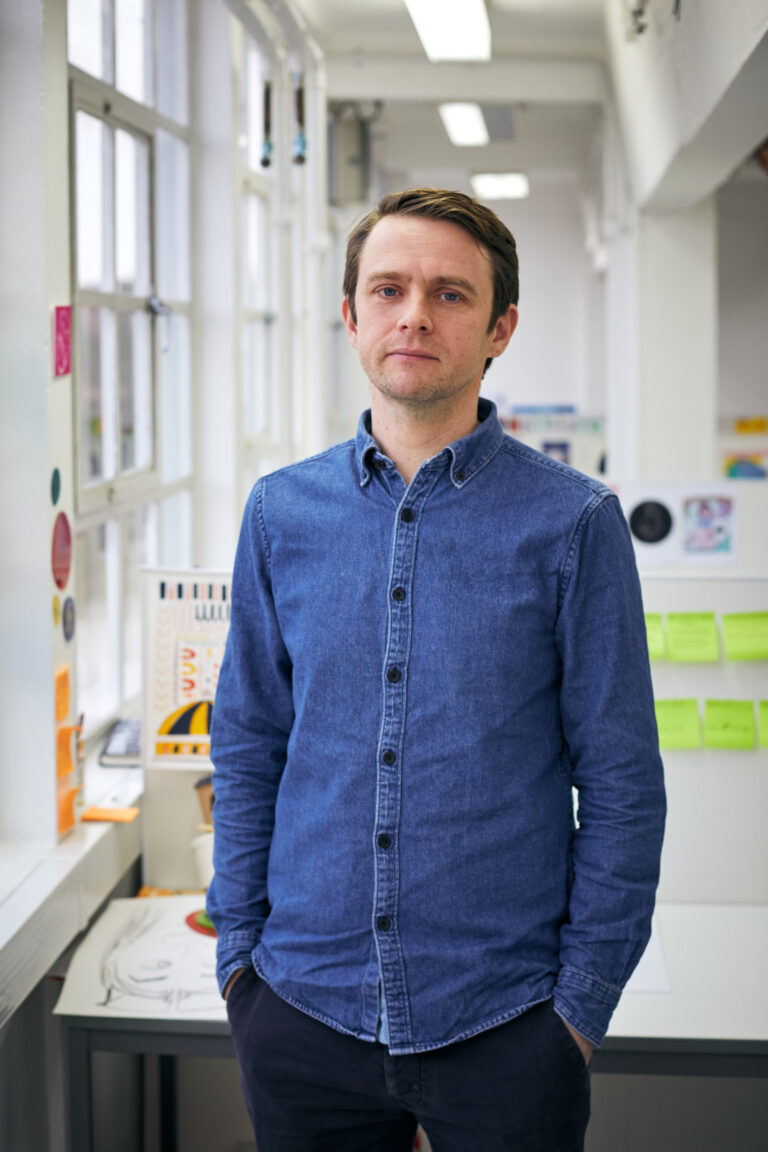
(437, 633)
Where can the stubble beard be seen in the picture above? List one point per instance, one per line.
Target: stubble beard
(422, 401)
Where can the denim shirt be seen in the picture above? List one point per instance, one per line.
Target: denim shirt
(415, 680)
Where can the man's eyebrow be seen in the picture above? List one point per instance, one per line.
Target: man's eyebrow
(437, 282)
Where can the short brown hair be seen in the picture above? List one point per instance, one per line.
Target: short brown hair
(442, 204)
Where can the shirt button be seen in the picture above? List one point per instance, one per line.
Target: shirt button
(389, 756)
(383, 923)
(384, 841)
(398, 594)
(393, 675)
(407, 515)
(460, 476)
(379, 464)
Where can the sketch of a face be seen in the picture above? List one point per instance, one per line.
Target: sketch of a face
(174, 966)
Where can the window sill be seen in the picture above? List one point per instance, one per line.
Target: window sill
(48, 895)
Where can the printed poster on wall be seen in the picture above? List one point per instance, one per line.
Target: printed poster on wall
(681, 525)
(186, 620)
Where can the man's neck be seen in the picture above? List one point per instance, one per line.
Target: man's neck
(410, 435)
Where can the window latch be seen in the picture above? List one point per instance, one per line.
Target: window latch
(157, 307)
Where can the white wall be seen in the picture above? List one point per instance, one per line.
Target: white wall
(556, 354)
(34, 277)
(742, 211)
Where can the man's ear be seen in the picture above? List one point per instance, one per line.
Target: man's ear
(502, 330)
(349, 323)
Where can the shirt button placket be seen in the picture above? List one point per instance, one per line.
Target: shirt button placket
(395, 677)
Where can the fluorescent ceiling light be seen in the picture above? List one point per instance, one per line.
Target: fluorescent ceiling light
(464, 124)
(500, 185)
(455, 31)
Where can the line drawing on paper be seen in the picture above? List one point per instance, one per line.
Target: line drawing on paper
(152, 959)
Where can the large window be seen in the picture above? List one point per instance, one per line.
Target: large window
(260, 407)
(132, 298)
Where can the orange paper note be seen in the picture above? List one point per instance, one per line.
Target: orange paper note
(114, 815)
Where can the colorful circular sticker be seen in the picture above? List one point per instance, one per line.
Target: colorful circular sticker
(56, 608)
(68, 618)
(55, 486)
(61, 550)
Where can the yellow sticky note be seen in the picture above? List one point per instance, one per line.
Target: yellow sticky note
(654, 628)
(746, 635)
(692, 637)
(762, 723)
(729, 724)
(678, 722)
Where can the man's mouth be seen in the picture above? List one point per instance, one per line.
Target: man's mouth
(411, 354)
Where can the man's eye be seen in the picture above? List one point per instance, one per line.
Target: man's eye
(451, 296)
(387, 291)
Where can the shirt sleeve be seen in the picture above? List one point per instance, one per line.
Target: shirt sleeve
(252, 720)
(609, 728)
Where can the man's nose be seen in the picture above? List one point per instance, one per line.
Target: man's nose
(415, 314)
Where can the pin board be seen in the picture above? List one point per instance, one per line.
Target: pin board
(708, 637)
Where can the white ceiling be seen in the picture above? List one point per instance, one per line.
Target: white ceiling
(518, 27)
(553, 136)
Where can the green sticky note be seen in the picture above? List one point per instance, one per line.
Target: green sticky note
(678, 722)
(729, 724)
(746, 635)
(762, 723)
(654, 627)
(692, 637)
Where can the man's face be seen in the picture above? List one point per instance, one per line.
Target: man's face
(424, 301)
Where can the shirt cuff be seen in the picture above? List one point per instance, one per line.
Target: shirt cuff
(586, 1002)
(235, 950)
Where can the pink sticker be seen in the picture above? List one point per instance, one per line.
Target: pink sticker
(62, 352)
(61, 550)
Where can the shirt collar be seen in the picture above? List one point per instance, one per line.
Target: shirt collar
(467, 456)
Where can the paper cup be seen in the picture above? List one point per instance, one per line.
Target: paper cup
(202, 852)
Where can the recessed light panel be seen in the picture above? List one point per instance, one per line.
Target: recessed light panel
(464, 124)
(500, 185)
(457, 31)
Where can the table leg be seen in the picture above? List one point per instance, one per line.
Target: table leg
(168, 1129)
(79, 1091)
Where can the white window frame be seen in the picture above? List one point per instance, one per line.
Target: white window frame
(253, 450)
(111, 502)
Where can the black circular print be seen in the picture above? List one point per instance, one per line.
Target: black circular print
(650, 521)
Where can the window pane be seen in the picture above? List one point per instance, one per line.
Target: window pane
(97, 680)
(89, 39)
(257, 380)
(171, 60)
(96, 384)
(94, 203)
(172, 217)
(140, 551)
(175, 539)
(175, 389)
(135, 390)
(132, 213)
(255, 264)
(252, 108)
(133, 48)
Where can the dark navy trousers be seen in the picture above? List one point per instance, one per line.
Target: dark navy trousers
(522, 1086)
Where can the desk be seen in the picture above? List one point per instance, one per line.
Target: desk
(713, 1021)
